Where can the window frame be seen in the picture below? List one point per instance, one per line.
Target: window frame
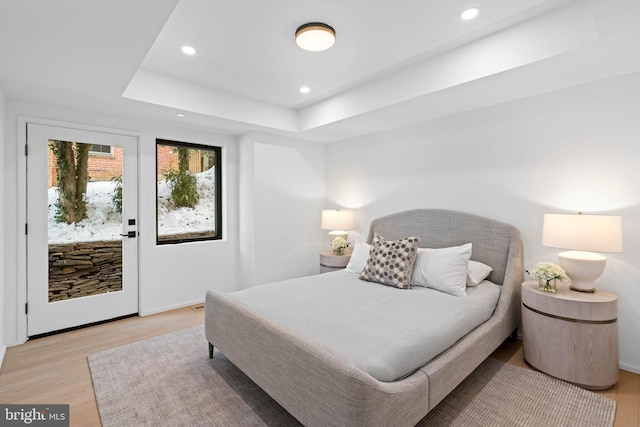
(111, 152)
(218, 217)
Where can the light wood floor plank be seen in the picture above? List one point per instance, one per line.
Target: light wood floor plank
(55, 370)
(628, 399)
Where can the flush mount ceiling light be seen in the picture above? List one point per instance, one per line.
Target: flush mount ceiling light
(315, 36)
(305, 89)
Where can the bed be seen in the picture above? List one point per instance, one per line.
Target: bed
(299, 339)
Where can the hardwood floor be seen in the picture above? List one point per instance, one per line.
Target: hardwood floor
(55, 370)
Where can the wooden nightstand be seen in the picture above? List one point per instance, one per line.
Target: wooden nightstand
(571, 335)
(331, 262)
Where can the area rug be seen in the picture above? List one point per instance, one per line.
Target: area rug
(170, 381)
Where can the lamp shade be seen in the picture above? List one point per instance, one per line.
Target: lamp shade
(335, 219)
(597, 233)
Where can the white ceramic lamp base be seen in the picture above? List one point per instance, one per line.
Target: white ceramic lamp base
(583, 268)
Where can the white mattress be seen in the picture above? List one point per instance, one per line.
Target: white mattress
(385, 331)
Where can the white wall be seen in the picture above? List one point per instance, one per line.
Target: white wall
(281, 198)
(3, 345)
(575, 150)
(170, 275)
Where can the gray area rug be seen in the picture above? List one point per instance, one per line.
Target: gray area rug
(170, 381)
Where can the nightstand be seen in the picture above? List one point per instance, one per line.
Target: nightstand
(331, 262)
(571, 335)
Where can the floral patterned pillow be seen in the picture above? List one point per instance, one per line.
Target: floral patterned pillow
(391, 262)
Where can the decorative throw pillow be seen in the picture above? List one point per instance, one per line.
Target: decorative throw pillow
(358, 257)
(391, 262)
(477, 272)
(444, 269)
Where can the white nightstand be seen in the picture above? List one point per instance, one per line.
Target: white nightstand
(331, 262)
(571, 335)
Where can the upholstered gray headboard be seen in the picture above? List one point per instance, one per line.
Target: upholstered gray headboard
(493, 242)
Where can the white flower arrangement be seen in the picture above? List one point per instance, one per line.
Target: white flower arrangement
(547, 271)
(339, 244)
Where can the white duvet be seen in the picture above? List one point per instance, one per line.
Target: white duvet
(385, 331)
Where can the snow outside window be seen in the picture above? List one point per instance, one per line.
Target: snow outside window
(188, 192)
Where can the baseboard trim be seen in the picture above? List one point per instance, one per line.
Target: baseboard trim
(169, 308)
(3, 351)
(630, 368)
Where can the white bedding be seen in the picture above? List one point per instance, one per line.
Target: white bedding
(385, 331)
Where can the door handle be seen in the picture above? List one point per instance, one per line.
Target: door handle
(130, 234)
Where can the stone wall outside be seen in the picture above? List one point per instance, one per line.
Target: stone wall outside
(84, 268)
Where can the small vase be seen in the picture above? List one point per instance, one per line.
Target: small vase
(547, 285)
(338, 251)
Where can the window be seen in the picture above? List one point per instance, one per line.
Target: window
(188, 192)
(101, 149)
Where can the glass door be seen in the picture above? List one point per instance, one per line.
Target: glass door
(82, 250)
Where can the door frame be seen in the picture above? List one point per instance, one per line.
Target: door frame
(21, 291)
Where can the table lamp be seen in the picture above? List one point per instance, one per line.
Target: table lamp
(582, 234)
(338, 221)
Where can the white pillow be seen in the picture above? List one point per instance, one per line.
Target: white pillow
(443, 269)
(359, 257)
(477, 272)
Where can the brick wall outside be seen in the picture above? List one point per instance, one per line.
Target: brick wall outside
(52, 175)
(102, 167)
(166, 159)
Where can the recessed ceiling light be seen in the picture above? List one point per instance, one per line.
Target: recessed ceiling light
(181, 115)
(305, 89)
(315, 36)
(469, 13)
(188, 50)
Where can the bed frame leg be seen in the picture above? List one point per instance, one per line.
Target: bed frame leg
(210, 351)
(514, 335)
